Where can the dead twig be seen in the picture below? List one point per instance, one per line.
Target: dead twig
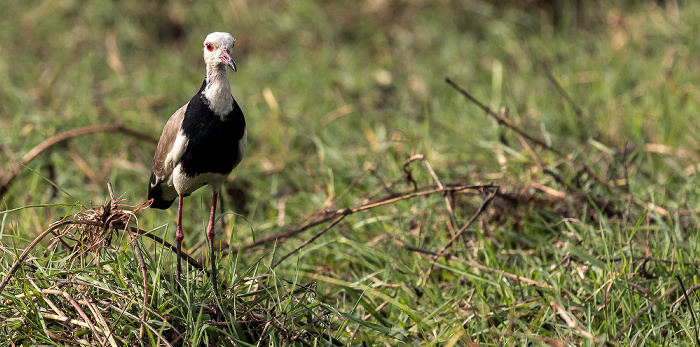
(479, 211)
(689, 291)
(692, 312)
(577, 109)
(82, 314)
(193, 262)
(305, 243)
(92, 219)
(452, 222)
(325, 216)
(9, 176)
(16, 264)
(501, 120)
(639, 314)
(585, 169)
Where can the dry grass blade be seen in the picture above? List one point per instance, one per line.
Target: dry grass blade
(82, 314)
(16, 264)
(101, 320)
(88, 233)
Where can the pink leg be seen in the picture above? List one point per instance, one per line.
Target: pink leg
(179, 236)
(210, 236)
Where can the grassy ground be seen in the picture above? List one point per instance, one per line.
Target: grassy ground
(377, 204)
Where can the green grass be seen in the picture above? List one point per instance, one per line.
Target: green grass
(337, 98)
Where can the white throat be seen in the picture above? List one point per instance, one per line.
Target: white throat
(218, 90)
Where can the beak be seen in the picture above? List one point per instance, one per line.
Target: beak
(226, 59)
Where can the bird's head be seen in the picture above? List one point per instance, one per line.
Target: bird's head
(217, 50)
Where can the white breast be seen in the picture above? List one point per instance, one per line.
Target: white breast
(188, 184)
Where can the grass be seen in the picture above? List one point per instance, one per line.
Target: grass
(590, 238)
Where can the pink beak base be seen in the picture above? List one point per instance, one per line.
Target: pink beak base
(226, 59)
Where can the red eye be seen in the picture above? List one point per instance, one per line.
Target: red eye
(209, 46)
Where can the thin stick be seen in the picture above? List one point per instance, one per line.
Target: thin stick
(500, 120)
(618, 337)
(119, 226)
(193, 262)
(325, 216)
(84, 316)
(352, 184)
(687, 292)
(328, 227)
(64, 136)
(100, 320)
(528, 148)
(16, 264)
(577, 109)
(579, 112)
(452, 222)
(690, 306)
(478, 212)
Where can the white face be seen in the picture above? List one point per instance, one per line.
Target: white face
(217, 49)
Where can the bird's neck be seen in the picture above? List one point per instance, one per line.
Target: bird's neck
(218, 91)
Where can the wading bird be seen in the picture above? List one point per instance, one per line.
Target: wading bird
(201, 144)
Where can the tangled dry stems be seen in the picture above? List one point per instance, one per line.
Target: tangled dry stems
(95, 227)
(75, 305)
(89, 233)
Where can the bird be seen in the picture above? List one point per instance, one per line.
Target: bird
(201, 143)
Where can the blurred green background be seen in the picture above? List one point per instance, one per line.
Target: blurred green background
(333, 89)
(327, 87)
